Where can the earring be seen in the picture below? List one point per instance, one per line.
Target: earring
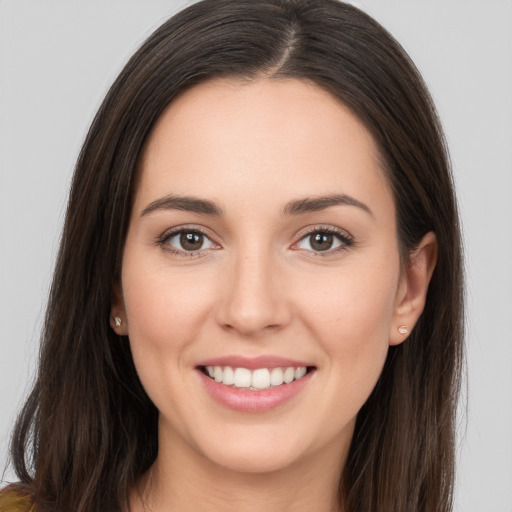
(403, 330)
(117, 321)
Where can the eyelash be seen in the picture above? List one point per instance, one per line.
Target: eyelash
(346, 240)
(163, 240)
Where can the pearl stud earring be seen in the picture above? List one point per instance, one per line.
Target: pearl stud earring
(403, 330)
(117, 321)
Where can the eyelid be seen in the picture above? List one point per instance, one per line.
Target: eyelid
(176, 230)
(347, 240)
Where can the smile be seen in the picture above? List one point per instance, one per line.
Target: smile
(254, 385)
(257, 379)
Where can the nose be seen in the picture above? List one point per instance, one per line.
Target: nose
(254, 300)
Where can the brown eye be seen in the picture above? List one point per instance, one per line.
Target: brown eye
(191, 241)
(188, 241)
(328, 241)
(321, 241)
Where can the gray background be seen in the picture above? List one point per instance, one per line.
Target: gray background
(58, 57)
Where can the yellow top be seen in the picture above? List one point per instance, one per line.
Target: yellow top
(12, 499)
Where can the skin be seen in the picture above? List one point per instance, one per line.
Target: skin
(259, 288)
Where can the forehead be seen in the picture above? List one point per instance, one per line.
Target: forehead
(266, 138)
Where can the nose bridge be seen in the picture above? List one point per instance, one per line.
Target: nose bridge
(254, 300)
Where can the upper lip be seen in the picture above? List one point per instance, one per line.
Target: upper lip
(253, 363)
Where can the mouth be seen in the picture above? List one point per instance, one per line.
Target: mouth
(256, 379)
(257, 384)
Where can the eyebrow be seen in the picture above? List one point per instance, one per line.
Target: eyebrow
(315, 204)
(296, 207)
(184, 203)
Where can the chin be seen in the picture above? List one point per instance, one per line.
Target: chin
(253, 460)
(254, 449)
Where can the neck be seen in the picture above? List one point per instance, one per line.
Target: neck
(183, 480)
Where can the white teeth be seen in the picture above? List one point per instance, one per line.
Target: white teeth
(228, 377)
(300, 372)
(261, 378)
(242, 378)
(289, 374)
(276, 377)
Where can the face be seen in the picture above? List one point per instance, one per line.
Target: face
(261, 250)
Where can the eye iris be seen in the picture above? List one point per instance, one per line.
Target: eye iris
(191, 241)
(321, 241)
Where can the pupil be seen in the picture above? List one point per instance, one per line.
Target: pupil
(321, 241)
(191, 241)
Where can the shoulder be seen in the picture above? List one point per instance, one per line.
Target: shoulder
(14, 499)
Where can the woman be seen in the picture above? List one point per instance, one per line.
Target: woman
(257, 300)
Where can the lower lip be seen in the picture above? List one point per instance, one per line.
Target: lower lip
(243, 400)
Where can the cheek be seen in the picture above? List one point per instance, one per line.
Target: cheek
(356, 300)
(349, 313)
(165, 310)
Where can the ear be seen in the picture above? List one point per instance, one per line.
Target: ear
(118, 319)
(413, 287)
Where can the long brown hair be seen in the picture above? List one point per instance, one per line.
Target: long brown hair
(88, 430)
